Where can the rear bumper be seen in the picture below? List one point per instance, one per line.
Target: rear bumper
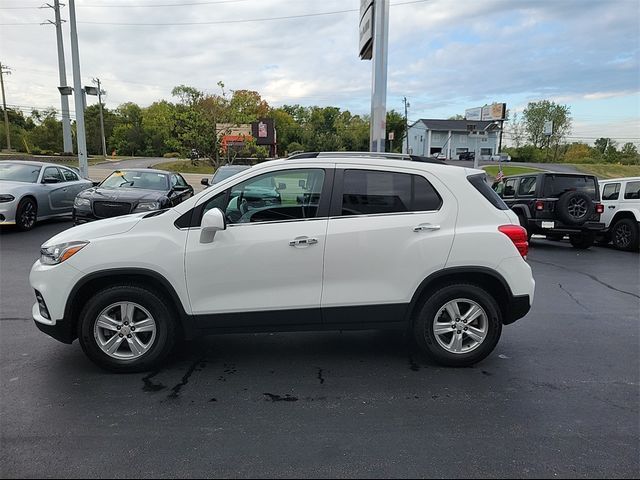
(517, 308)
(587, 227)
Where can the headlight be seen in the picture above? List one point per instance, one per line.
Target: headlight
(5, 197)
(81, 202)
(56, 254)
(144, 206)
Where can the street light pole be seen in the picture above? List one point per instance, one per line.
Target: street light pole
(64, 101)
(5, 70)
(104, 143)
(78, 93)
(406, 121)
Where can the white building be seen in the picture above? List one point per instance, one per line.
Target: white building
(429, 137)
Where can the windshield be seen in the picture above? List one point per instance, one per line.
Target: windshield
(19, 172)
(224, 173)
(137, 179)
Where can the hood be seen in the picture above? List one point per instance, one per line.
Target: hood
(122, 194)
(7, 186)
(99, 228)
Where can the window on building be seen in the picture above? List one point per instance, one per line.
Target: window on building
(485, 151)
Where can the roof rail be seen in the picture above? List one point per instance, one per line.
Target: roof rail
(390, 156)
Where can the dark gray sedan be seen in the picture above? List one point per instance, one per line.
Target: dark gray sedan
(33, 191)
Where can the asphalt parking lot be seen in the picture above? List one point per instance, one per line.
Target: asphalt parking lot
(560, 396)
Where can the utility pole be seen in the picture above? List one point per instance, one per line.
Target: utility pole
(4, 70)
(100, 92)
(406, 121)
(379, 85)
(78, 94)
(64, 101)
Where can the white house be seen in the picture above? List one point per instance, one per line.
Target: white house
(428, 137)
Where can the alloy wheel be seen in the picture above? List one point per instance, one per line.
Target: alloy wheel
(460, 326)
(125, 330)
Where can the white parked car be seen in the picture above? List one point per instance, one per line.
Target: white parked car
(343, 242)
(502, 157)
(621, 200)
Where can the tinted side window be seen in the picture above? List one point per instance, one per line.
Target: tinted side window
(53, 172)
(509, 188)
(367, 192)
(69, 176)
(611, 191)
(632, 191)
(527, 186)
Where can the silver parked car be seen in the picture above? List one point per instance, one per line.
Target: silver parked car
(33, 191)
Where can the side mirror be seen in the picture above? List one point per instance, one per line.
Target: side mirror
(205, 182)
(282, 186)
(95, 184)
(212, 221)
(50, 180)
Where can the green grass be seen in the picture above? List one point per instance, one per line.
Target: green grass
(185, 167)
(610, 170)
(493, 170)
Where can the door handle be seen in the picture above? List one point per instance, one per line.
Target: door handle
(612, 206)
(303, 242)
(426, 227)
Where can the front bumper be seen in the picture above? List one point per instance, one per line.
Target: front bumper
(61, 330)
(81, 215)
(8, 212)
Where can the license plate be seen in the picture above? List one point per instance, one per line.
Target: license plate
(548, 224)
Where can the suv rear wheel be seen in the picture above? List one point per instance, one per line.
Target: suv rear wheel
(126, 328)
(459, 325)
(582, 241)
(624, 234)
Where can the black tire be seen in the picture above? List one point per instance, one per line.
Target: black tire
(26, 214)
(574, 208)
(162, 313)
(423, 328)
(582, 241)
(624, 235)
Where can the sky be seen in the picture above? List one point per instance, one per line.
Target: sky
(444, 55)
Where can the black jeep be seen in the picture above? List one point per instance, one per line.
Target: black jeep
(555, 205)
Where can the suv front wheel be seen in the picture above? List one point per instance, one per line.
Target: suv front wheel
(459, 325)
(126, 328)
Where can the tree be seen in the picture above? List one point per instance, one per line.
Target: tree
(577, 153)
(93, 131)
(517, 130)
(159, 125)
(128, 135)
(395, 124)
(46, 136)
(456, 117)
(534, 118)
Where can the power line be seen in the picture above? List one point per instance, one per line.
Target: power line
(138, 5)
(226, 22)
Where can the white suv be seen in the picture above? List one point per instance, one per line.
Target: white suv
(621, 216)
(314, 242)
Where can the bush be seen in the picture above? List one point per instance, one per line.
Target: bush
(171, 155)
(526, 153)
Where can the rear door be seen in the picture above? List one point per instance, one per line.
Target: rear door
(610, 200)
(387, 231)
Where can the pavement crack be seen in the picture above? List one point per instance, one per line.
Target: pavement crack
(320, 377)
(572, 297)
(278, 398)
(175, 390)
(592, 277)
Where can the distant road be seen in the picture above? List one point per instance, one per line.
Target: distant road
(142, 162)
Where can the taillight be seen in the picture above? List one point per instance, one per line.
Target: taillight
(539, 205)
(599, 208)
(518, 236)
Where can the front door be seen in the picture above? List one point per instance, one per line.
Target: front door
(56, 192)
(387, 232)
(265, 269)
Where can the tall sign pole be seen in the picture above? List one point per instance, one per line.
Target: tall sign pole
(379, 84)
(78, 93)
(64, 101)
(104, 143)
(374, 45)
(406, 122)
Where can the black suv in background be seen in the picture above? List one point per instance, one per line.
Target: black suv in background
(555, 205)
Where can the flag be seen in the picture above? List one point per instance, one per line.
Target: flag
(500, 175)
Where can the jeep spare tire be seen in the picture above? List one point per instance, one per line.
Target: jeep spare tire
(574, 208)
